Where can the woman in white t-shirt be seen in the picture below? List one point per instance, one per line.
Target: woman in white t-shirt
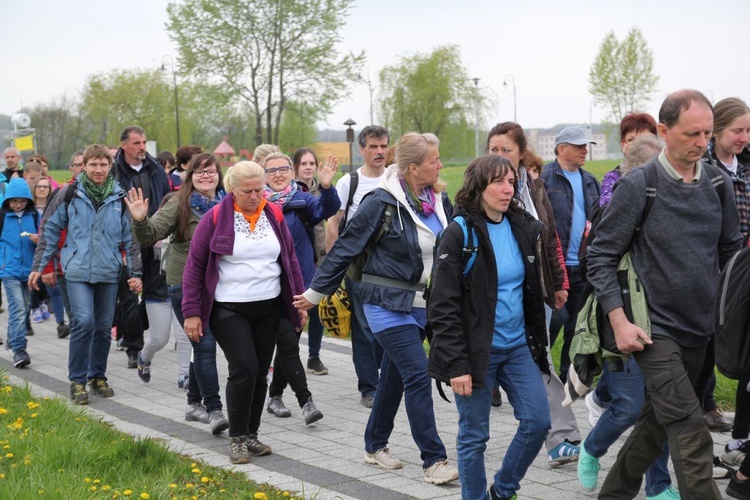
(240, 277)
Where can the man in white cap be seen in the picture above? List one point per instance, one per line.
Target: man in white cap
(573, 193)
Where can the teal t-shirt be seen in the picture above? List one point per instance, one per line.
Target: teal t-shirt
(578, 224)
(510, 328)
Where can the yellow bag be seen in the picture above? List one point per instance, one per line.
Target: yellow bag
(335, 314)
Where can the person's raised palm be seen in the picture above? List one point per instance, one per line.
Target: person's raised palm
(327, 171)
(136, 204)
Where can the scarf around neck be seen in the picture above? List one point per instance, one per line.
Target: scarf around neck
(200, 204)
(97, 194)
(252, 219)
(422, 203)
(280, 197)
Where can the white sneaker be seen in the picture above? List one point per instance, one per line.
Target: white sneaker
(595, 411)
(736, 456)
(384, 459)
(440, 473)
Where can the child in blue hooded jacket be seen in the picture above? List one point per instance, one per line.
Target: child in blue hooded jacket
(18, 239)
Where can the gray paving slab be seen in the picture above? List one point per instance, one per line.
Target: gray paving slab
(325, 460)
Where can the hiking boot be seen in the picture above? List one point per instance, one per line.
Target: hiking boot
(721, 470)
(440, 473)
(367, 401)
(670, 493)
(100, 387)
(310, 412)
(132, 359)
(384, 459)
(144, 369)
(497, 398)
(196, 412)
(44, 311)
(63, 330)
(738, 488)
(595, 411)
(736, 454)
(78, 393)
(256, 448)
(276, 406)
(217, 421)
(562, 454)
(36, 316)
(316, 367)
(21, 358)
(588, 469)
(238, 453)
(715, 421)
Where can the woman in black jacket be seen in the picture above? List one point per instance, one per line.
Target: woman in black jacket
(489, 326)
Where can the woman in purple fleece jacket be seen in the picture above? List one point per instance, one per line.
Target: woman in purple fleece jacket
(240, 277)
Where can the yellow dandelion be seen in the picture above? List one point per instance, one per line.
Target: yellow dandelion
(189, 485)
(2, 476)
(34, 415)
(196, 471)
(106, 487)
(9, 455)
(173, 485)
(97, 481)
(286, 493)
(87, 480)
(127, 493)
(260, 495)
(40, 492)
(204, 479)
(145, 496)
(6, 447)
(93, 487)
(222, 490)
(3, 411)
(26, 461)
(31, 405)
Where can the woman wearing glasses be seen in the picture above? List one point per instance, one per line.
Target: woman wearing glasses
(302, 211)
(177, 220)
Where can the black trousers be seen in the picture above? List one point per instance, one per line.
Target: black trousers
(246, 332)
(287, 365)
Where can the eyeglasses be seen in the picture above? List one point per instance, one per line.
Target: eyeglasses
(279, 170)
(205, 173)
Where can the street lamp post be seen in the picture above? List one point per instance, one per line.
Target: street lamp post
(505, 84)
(350, 139)
(176, 105)
(476, 117)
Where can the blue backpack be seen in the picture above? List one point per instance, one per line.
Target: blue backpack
(468, 251)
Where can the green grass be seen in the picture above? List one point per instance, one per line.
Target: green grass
(51, 450)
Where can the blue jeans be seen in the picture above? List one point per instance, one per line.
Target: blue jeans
(93, 307)
(403, 372)
(204, 378)
(366, 351)
(517, 373)
(17, 297)
(314, 334)
(626, 392)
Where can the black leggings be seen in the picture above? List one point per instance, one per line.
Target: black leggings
(287, 366)
(246, 332)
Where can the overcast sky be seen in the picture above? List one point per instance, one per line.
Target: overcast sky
(48, 47)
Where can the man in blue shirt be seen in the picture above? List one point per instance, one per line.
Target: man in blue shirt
(573, 193)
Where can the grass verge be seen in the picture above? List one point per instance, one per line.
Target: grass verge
(51, 450)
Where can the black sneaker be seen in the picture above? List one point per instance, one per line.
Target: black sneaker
(63, 330)
(738, 489)
(256, 448)
(100, 387)
(78, 393)
(132, 359)
(21, 358)
(497, 398)
(316, 367)
(722, 470)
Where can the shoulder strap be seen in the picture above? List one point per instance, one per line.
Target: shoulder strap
(386, 225)
(469, 250)
(277, 212)
(652, 180)
(70, 192)
(353, 182)
(716, 178)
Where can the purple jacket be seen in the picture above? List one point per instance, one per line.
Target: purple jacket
(210, 242)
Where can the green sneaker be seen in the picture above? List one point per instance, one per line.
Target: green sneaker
(588, 469)
(670, 493)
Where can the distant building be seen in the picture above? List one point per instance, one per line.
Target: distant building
(543, 142)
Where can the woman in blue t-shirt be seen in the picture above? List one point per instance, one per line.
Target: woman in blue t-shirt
(489, 326)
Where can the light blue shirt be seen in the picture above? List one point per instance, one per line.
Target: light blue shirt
(510, 327)
(380, 319)
(578, 224)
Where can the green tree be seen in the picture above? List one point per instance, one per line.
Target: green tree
(266, 52)
(297, 126)
(57, 127)
(622, 77)
(431, 93)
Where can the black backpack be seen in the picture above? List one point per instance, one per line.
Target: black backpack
(732, 323)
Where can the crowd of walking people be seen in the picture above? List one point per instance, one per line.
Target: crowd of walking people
(241, 259)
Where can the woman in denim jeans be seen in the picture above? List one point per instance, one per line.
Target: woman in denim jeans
(397, 268)
(177, 219)
(489, 324)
